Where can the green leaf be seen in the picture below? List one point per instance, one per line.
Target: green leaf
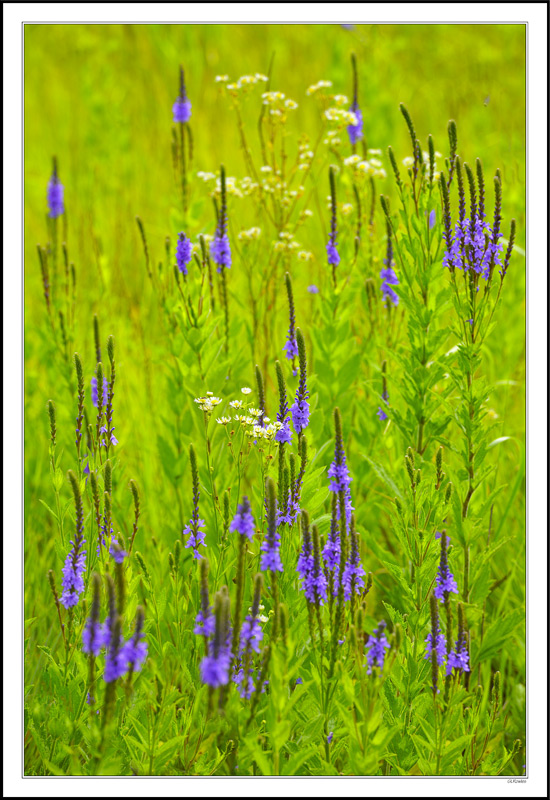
(383, 475)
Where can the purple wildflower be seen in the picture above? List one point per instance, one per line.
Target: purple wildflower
(105, 392)
(75, 563)
(329, 737)
(251, 634)
(445, 581)
(116, 551)
(332, 549)
(341, 479)
(220, 249)
(243, 521)
(115, 663)
(134, 652)
(291, 346)
(440, 645)
(271, 559)
(355, 132)
(354, 571)
(193, 528)
(431, 219)
(284, 434)
(183, 253)
(333, 256)
(55, 194)
(245, 682)
(182, 107)
(387, 274)
(215, 666)
(459, 658)
(376, 645)
(113, 438)
(300, 407)
(93, 635)
(473, 247)
(205, 622)
(313, 289)
(381, 413)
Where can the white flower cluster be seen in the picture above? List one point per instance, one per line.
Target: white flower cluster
(250, 235)
(243, 83)
(340, 116)
(286, 243)
(319, 85)
(208, 402)
(268, 433)
(278, 105)
(333, 138)
(372, 166)
(233, 186)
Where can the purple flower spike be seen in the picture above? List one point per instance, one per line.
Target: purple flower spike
(376, 645)
(355, 132)
(55, 194)
(243, 521)
(387, 274)
(300, 408)
(445, 581)
(182, 110)
(459, 658)
(117, 552)
(182, 107)
(220, 249)
(183, 253)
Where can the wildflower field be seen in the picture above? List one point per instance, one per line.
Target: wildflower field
(274, 507)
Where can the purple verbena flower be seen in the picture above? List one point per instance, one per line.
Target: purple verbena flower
(338, 471)
(381, 413)
(300, 407)
(313, 289)
(243, 522)
(220, 249)
(182, 107)
(271, 559)
(184, 253)
(445, 581)
(459, 658)
(194, 526)
(284, 434)
(440, 646)
(75, 563)
(215, 666)
(93, 637)
(473, 247)
(352, 577)
(355, 132)
(55, 194)
(116, 551)
(376, 646)
(105, 392)
(251, 634)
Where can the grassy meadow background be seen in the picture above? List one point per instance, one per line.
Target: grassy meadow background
(99, 97)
